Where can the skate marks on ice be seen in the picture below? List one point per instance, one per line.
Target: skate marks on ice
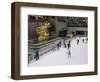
(76, 55)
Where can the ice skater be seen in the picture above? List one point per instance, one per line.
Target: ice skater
(58, 46)
(86, 40)
(68, 53)
(64, 45)
(68, 45)
(83, 40)
(77, 41)
(36, 57)
(53, 48)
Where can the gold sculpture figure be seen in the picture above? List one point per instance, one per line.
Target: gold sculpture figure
(42, 32)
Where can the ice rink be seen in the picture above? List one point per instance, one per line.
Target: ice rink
(79, 55)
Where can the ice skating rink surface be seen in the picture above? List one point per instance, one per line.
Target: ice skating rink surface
(79, 55)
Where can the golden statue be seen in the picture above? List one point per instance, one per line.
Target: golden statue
(42, 32)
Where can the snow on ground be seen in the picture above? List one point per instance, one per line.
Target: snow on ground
(79, 55)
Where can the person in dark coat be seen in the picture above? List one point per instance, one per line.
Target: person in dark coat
(86, 40)
(37, 55)
(69, 53)
(77, 41)
(58, 46)
(64, 44)
(68, 45)
(83, 40)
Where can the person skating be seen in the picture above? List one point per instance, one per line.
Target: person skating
(37, 55)
(64, 45)
(86, 40)
(53, 48)
(77, 41)
(69, 54)
(83, 40)
(68, 45)
(58, 46)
